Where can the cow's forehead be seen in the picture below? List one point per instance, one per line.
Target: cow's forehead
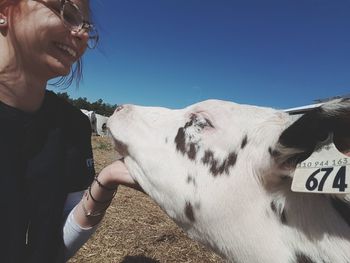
(220, 105)
(213, 105)
(224, 110)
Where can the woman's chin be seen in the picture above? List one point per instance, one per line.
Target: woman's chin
(59, 69)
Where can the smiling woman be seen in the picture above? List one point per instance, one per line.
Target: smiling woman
(46, 36)
(46, 158)
(39, 35)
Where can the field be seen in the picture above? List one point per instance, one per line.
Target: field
(135, 230)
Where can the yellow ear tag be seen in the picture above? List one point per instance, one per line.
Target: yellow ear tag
(326, 171)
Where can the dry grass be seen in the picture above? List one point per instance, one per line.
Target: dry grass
(135, 230)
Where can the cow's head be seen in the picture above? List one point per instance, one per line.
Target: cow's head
(214, 163)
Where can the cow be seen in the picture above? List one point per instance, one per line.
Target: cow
(223, 172)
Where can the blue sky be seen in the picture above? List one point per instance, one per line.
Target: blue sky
(172, 53)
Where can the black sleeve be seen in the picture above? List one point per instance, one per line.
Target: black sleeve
(79, 158)
(79, 168)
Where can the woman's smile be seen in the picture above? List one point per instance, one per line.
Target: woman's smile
(67, 50)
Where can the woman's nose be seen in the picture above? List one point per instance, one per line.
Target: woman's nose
(82, 35)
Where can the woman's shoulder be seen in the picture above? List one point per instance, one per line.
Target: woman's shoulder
(65, 111)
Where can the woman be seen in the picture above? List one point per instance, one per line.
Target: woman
(45, 151)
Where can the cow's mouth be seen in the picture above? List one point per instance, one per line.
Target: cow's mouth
(121, 148)
(121, 152)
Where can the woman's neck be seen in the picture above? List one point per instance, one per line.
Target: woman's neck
(20, 85)
(20, 91)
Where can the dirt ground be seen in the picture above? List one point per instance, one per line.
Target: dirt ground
(135, 230)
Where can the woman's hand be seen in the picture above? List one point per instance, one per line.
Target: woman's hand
(99, 195)
(117, 174)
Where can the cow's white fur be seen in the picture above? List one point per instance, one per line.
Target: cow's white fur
(246, 212)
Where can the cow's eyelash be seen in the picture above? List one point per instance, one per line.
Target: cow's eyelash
(210, 124)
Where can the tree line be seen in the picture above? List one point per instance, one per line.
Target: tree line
(98, 106)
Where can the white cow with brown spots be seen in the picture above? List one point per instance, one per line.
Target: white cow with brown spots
(223, 172)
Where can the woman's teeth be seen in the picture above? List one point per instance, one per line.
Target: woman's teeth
(67, 49)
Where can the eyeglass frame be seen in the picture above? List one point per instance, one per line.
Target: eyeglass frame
(85, 25)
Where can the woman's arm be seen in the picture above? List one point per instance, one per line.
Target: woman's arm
(74, 236)
(99, 195)
(83, 220)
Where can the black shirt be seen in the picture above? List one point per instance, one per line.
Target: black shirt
(43, 157)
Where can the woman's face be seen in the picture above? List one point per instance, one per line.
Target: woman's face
(43, 43)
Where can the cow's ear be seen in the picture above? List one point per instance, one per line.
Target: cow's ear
(300, 139)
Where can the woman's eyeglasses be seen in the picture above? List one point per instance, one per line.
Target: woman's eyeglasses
(72, 18)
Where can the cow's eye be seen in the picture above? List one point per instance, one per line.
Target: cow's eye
(209, 123)
(201, 121)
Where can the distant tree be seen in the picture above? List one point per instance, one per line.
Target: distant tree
(82, 103)
(64, 95)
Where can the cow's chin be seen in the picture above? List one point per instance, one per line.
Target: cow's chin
(120, 148)
(121, 153)
(138, 174)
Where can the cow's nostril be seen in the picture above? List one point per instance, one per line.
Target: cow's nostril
(119, 108)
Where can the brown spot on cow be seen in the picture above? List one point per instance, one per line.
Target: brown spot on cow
(189, 212)
(215, 167)
(191, 180)
(190, 123)
(185, 148)
(244, 142)
(302, 258)
(208, 157)
(180, 140)
(192, 151)
(231, 160)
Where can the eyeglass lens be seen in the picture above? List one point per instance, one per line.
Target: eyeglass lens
(72, 16)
